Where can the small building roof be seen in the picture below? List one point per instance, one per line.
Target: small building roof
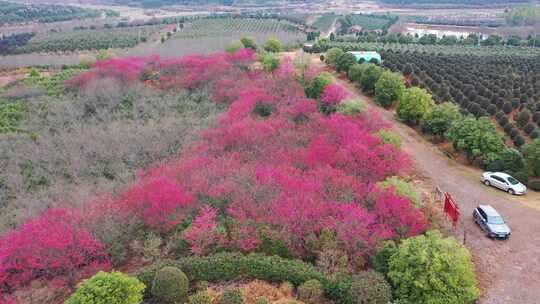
(366, 55)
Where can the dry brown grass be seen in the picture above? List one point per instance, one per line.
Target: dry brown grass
(254, 290)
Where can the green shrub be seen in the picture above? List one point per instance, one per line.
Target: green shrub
(350, 107)
(381, 259)
(228, 266)
(315, 87)
(477, 137)
(270, 62)
(332, 56)
(108, 288)
(509, 160)
(439, 120)
(234, 47)
(369, 287)
(273, 45)
(264, 109)
(11, 115)
(531, 152)
(389, 137)
(369, 78)
(104, 55)
(522, 176)
(403, 189)
(311, 292)
(345, 61)
(170, 285)
(522, 118)
(414, 104)
(356, 71)
(432, 269)
(248, 42)
(262, 301)
(271, 246)
(231, 296)
(389, 88)
(201, 297)
(534, 185)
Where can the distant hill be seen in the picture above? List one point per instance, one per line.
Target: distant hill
(158, 3)
(24, 12)
(450, 2)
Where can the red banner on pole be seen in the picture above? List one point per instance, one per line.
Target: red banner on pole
(451, 208)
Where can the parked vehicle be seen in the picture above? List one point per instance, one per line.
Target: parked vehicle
(491, 222)
(504, 182)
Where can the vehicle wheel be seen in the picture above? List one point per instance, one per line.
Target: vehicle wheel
(487, 183)
(510, 191)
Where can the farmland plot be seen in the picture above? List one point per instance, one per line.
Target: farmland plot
(504, 87)
(205, 36)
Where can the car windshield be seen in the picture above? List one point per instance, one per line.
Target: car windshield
(497, 220)
(513, 181)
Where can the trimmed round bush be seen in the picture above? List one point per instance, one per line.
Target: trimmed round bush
(370, 287)
(231, 296)
(311, 292)
(503, 121)
(170, 285)
(519, 140)
(492, 109)
(507, 107)
(201, 297)
(522, 176)
(534, 185)
(108, 288)
(536, 117)
(513, 133)
(508, 127)
(522, 118)
(529, 128)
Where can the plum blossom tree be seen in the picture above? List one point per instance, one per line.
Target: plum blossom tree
(333, 94)
(203, 235)
(160, 202)
(53, 246)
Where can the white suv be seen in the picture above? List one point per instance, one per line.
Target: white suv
(504, 182)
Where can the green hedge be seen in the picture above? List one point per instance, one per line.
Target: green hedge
(229, 266)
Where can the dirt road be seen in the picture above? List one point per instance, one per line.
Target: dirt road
(509, 271)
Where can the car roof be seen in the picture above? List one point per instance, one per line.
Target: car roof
(490, 211)
(501, 174)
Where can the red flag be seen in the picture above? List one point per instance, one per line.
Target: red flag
(451, 208)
